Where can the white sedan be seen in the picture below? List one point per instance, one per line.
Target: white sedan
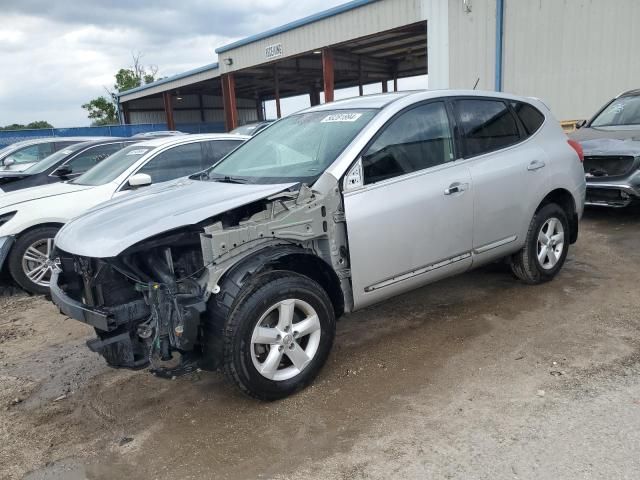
(30, 218)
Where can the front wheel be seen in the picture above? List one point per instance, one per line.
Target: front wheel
(29, 262)
(546, 246)
(278, 335)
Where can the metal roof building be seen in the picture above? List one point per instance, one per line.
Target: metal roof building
(574, 54)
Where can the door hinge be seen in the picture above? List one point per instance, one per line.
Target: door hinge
(339, 217)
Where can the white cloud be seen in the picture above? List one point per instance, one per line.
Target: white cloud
(55, 56)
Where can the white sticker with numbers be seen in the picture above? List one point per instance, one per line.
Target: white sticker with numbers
(341, 117)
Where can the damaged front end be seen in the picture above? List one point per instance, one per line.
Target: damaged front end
(612, 171)
(145, 305)
(150, 304)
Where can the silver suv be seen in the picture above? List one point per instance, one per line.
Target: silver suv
(247, 266)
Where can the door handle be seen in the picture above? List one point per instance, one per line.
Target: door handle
(456, 188)
(536, 165)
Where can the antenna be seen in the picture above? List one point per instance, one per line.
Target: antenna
(476, 84)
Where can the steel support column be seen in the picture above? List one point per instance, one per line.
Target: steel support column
(314, 97)
(259, 109)
(229, 101)
(168, 110)
(328, 74)
(201, 106)
(384, 86)
(276, 84)
(126, 117)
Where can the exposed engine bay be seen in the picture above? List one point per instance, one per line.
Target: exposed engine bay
(151, 305)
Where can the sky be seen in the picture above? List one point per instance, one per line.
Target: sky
(55, 55)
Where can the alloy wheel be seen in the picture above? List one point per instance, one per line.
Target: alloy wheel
(285, 339)
(550, 243)
(36, 264)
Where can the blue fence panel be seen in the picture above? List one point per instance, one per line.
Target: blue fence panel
(11, 136)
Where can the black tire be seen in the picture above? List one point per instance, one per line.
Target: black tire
(525, 264)
(242, 312)
(21, 245)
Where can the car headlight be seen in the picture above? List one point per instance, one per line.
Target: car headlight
(5, 217)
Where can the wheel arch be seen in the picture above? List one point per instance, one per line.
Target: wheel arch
(16, 236)
(39, 225)
(268, 259)
(291, 258)
(565, 200)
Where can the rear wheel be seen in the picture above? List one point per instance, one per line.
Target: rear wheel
(546, 246)
(277, 335)
(29, 262)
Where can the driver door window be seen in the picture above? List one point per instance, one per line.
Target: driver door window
(174, 163)
(417, 139)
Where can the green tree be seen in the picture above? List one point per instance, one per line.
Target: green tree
(126, 79)
(32, 125)
(103, 110)
(39, 124)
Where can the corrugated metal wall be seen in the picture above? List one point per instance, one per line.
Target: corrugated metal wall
(573, 54)
(246, 110)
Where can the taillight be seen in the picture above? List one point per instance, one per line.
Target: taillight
(578, 148)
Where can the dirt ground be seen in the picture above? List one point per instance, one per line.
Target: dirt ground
(477, 377)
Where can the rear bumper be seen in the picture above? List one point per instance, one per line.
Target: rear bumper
(5, 246)
(611, 194)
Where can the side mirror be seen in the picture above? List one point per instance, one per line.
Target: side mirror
(7, 162)
(580, 123)
(139, 180)
(63, 171)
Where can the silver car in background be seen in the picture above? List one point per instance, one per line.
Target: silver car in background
(19, 156)
(247, 266)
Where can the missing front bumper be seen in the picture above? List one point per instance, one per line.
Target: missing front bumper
(104, 320)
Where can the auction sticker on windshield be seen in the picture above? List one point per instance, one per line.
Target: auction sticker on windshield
(341, 117)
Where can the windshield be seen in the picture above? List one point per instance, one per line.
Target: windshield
(112, 167)
(52, 159)
(295, 149)
(622, 111)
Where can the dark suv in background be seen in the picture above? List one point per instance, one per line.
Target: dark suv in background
(611, 145)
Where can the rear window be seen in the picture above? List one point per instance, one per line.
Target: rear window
(486, 125)
(531, 118)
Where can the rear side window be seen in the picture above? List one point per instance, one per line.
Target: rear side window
(485, 125)
(531, 118)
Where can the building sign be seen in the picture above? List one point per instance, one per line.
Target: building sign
(273, 51)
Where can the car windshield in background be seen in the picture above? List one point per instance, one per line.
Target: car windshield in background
(52, 159)
(622, 111)
(113, 166)
(295, 149)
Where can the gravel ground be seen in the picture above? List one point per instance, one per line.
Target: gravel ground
(476, 377)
